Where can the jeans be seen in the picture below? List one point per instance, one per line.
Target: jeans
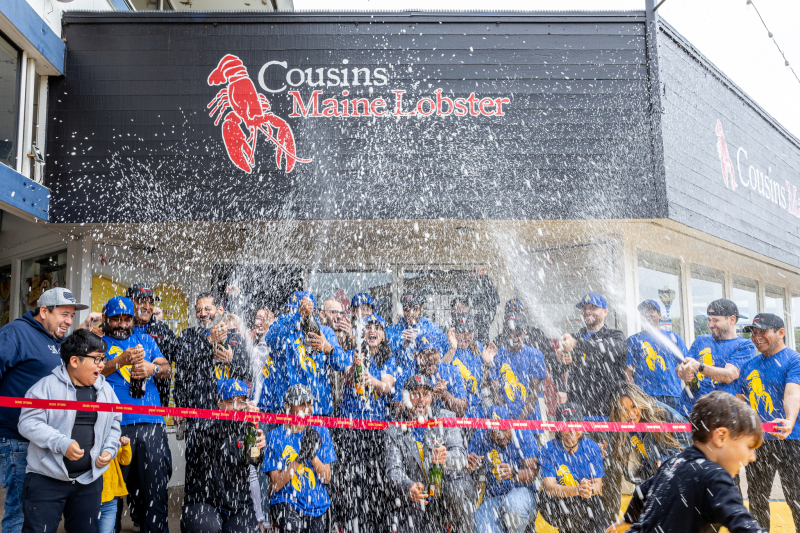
(108, 516)
(779, 456)
(13, 462)
(509, 513)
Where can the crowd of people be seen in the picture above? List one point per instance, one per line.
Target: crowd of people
(327, 359)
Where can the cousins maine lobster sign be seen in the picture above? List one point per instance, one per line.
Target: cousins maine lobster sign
(249, 112)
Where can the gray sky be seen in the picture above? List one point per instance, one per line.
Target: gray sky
(728, 32)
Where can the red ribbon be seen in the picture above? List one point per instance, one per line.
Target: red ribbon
(351, 423)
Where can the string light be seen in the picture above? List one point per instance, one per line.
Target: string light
(771, 36)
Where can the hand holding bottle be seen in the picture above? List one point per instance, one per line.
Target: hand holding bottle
(438, 454)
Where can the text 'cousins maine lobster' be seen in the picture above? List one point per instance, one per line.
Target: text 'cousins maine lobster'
(248, 111)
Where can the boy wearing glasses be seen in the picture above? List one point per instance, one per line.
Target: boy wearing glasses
(69, 450)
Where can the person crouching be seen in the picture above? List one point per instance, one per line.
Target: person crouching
(224, 502)
(69, 450)
(410, 454)
(299, 467)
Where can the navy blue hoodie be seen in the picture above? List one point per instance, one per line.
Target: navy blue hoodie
(27, 354)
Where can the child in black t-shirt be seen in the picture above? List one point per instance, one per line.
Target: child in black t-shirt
(693, 492)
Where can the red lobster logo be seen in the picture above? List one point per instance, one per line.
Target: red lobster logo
(249, 108)
(725, 158)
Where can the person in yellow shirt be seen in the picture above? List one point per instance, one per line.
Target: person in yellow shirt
(113, 487)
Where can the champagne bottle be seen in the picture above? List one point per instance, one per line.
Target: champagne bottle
(310, 326)
(137, 386)
(435, 478)
(251, 451)
(358, 375)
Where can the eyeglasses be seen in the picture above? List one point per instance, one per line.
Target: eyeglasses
(340, 313)
(97, 360)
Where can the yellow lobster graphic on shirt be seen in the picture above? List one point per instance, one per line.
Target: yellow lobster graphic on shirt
(268, 364)
(125, 371)
(308, 363)
(707, 359)
(652, 357)
(512, 385)
(470, 383)
(302, 472)
(757, 393)
(494, 458)
(565, 477)
(637, 444)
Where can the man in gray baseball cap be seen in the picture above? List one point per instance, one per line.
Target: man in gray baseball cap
(29, 351)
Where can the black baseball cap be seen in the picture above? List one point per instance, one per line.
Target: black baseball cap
(140, 291)
(569, 412)
(765, 321)
(462, 322)
(416, 381)
(411, 299)
(723, 307)
(514, 322)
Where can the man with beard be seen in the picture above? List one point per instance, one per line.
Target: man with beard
(144, 322)
(207, 355)
(403, 335)
(135, 356)
(518, 371)
(595, 357)
(509, 501)
(410, 454)
(448, 385)
(472, 360)
(29, 351)
(715, 359)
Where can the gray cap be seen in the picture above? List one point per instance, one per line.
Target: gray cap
(59, 296)
(299, 394)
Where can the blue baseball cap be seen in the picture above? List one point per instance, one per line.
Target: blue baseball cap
(649, 304)
(516, 303)
(118, 305)
(594, 299)
(498, 412)
(431, 341)
(294, 299)
(231, 388)
(362, 298)
(375, 319)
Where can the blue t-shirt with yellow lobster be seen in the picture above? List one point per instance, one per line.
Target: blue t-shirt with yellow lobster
(763, 381)
(515, 371)
(654, 362)
(470, 366)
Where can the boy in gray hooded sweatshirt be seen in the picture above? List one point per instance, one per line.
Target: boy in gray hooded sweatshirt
(69, 450)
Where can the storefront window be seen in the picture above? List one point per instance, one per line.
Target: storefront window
(5, 294)
(342, 286)
(744, 295)
(796, 319)
(659, 280)
(439, 287)
(9, 99)
(773, 300)
(40, 274)
(706, 287)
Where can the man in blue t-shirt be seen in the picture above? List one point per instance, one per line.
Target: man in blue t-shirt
(572, 475)
(307, 359)
(403, 335)
(510, 458)
(298, 460)
(653, 357)
(448, 385)
(135, 357)
(716, 359)
(517, 371)
(472, 360)
(770, 383)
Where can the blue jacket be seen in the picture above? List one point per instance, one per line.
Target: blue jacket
(285, 341)
(27, 354)
(404, 354)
